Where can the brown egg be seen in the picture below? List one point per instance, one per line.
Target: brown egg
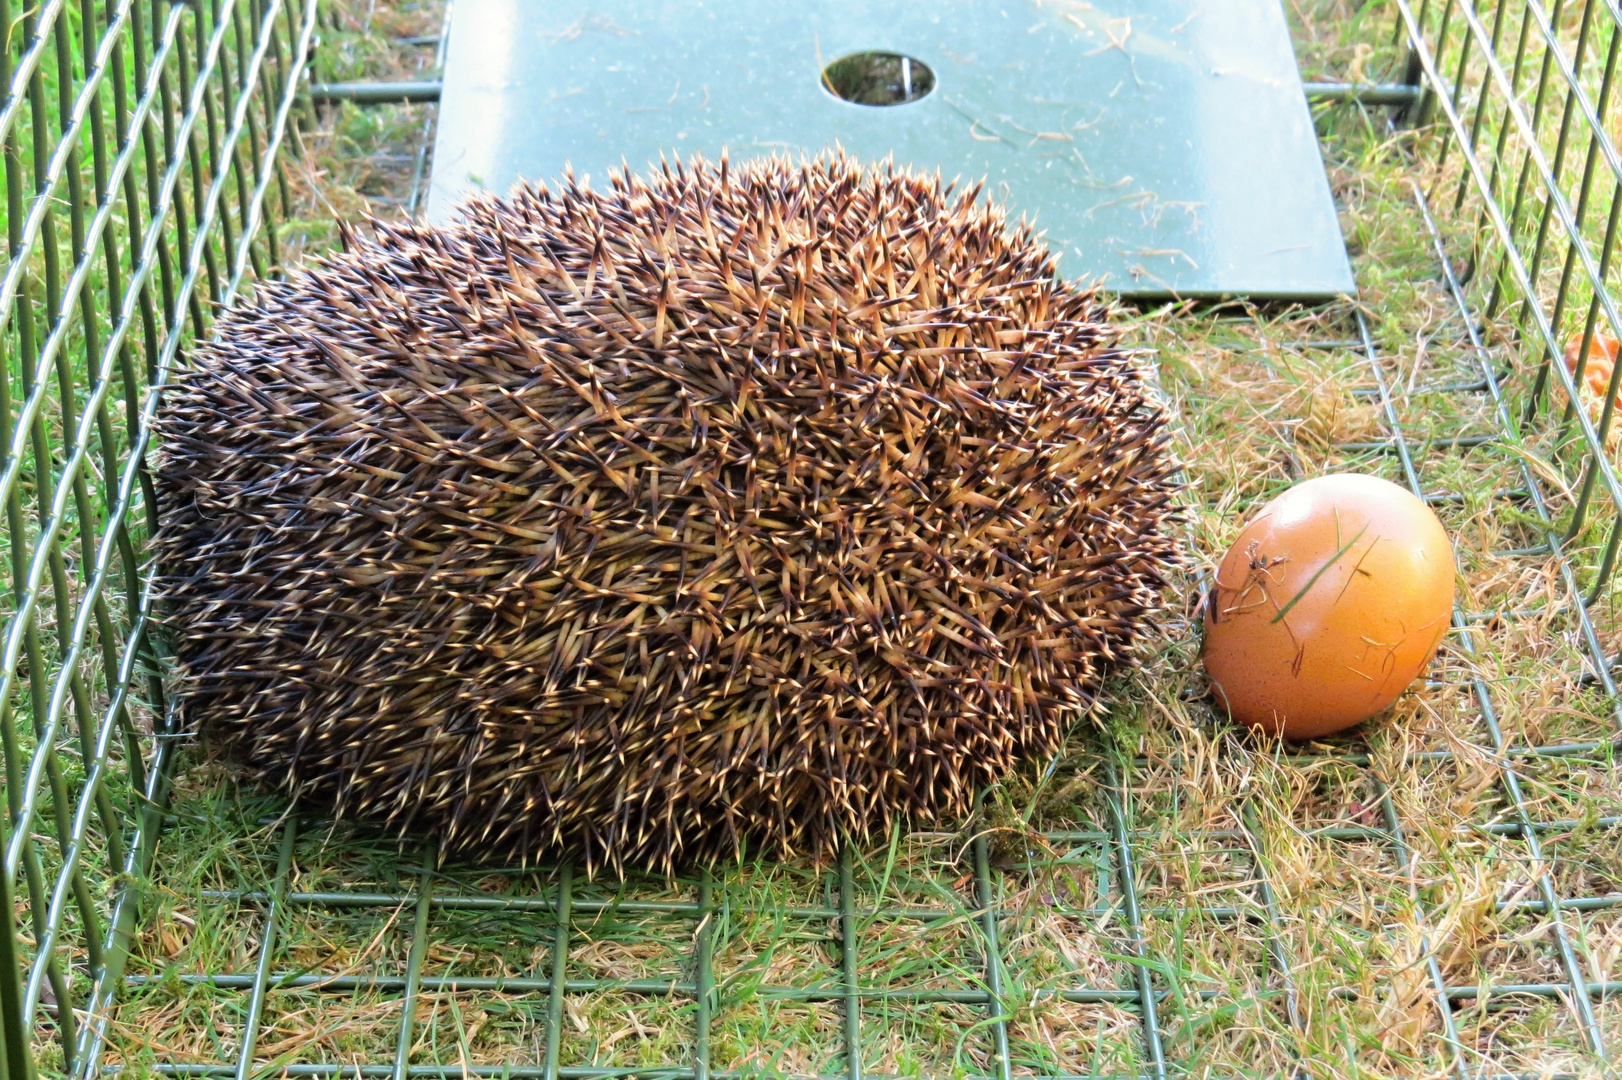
(1328, 605)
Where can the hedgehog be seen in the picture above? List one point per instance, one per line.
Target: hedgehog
(714, 512)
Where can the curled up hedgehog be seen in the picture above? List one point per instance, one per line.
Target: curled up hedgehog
(728, 509)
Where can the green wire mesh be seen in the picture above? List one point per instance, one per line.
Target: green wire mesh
(141, 142)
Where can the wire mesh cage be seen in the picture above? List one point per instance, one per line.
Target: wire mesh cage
(140, 149)
(1169, 898)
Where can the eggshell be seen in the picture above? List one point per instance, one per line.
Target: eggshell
(1330, 602)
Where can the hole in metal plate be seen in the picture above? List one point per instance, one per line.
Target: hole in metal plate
(878, 78)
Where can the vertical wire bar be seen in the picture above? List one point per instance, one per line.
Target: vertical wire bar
(419, 166)
(246, 88)
(61, 311)
(1607, 564)
(1590, 325)
(117, 17)
(220, 159)
(12, 996)
(92, 784)
(1428, 95)
(257, 87)
(30, 86)
(28, 435)
(847, 967)
(107, 628)
(1105, 878)
(282, 123)
(130, 130)
(1501, 143)
(203, 162)
(1413, 114)
(849, 970)
(1512, 105)
(1585, 494)
(133, 130)
(17, 1035)
(1573, 72)
(1591, 162)
(267, 949)
(70, 122)
(1482, 97)
(157, 168)
(272, 79)
(279, 82)
(126, 908)
(1458, 93)
(419, 952)
(282, 84)
(1279, 955)
(192, 157)
(241, 84)
(1405, 864)
(14, 1036)
(704, 961)
(988, 927)
(560, 968)
(1115, 795)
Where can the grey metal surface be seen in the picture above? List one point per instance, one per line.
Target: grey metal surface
(1163, 145)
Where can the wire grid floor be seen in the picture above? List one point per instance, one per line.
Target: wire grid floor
(1113, 856)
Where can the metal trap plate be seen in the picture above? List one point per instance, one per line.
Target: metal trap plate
(1164, 146)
